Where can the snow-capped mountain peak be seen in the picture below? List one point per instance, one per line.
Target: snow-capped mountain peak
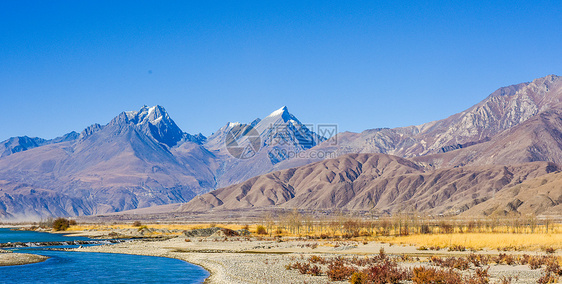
(155, 121)
(280, 111)
(152, 115)
(280, 115)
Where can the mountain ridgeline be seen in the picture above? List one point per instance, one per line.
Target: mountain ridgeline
(139, 159)
(500, 156)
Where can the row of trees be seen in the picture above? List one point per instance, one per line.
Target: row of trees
(339, 223)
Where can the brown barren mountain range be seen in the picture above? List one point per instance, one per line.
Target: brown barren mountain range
(379, 183)
(481, 161)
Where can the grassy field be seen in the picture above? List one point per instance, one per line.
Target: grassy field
(479, 241)
(505, 234)
(85, 227)
(500, 239)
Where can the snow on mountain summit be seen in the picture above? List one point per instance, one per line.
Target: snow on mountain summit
(152, 115)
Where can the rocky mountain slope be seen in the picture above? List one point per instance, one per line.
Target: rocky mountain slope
(128, 163)
(379, 182)
(24, 143)
(537, 139)
(541, 195)
(276, 138)
(500, 112)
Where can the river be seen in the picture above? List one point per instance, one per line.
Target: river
(83, 267)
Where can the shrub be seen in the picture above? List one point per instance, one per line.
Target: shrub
(358, 278)
(451, 262)
(316, 259)
(505, 280)
(314, 270)
(137, 224)
(505, 258)
(261, 230)
(548, 278)
(475, 259)
(72, 222)
(305, 268)
(61, 224)
(535, 262)
(430, 275)
(302, 267)
(552, 266)
(457, 248)
(386, 272)
(338, 271)
(481, 277)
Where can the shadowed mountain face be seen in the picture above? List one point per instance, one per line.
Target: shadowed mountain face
(378, 182)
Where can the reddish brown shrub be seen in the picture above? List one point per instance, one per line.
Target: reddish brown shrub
(431, 275)
(317, 259)
(547, 278)
(451, 262)
(386, 272)
(337, 270)
(480, 277)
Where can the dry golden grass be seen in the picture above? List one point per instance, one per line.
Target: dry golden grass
(478, 241)
(500, 238)
(84, 227)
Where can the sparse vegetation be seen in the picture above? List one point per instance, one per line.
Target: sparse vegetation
(61, 224)
(471, 269)
(260, 230)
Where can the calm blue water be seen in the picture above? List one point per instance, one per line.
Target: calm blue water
(7, 235)
(83, 267)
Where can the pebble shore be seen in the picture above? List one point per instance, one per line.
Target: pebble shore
(225, 263)
(264, 261)
(7, 259)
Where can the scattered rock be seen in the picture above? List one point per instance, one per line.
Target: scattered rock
(243, 232)
(224, 233)
(201, 233)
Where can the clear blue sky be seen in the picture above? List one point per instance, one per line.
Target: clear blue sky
(362, 64)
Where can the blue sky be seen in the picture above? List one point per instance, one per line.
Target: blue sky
(361, 64)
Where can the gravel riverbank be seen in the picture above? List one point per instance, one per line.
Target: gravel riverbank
(254, 261)
(10, 258)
